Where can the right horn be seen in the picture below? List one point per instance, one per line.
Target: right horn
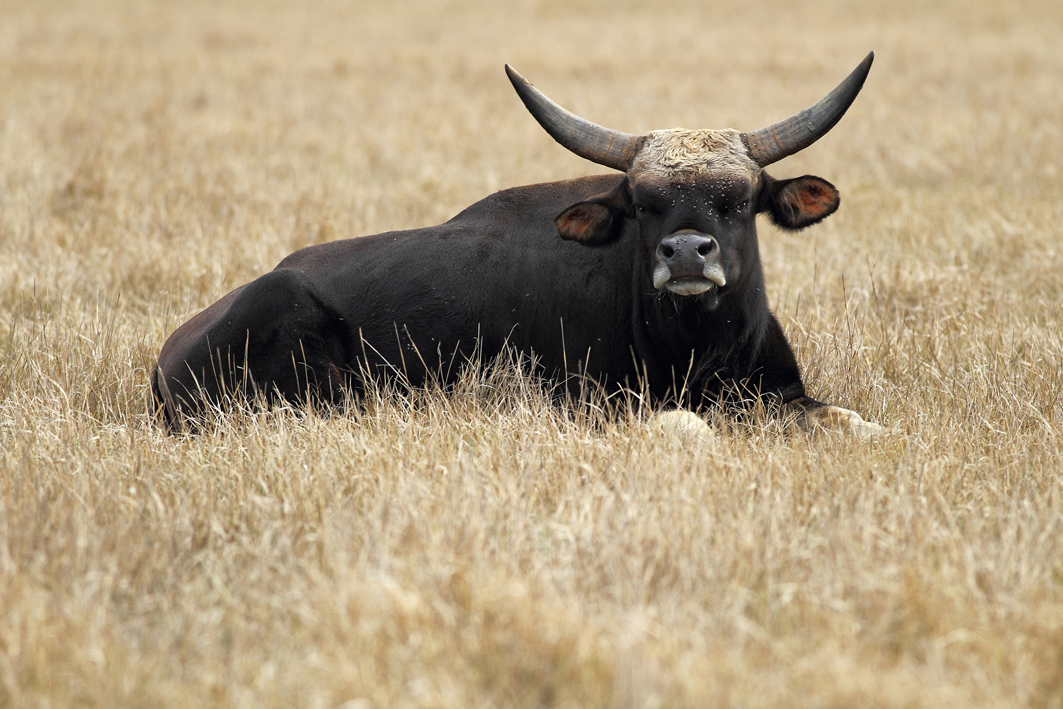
(801, 130)
(601, 145)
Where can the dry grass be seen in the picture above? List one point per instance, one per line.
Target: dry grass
(485, 548)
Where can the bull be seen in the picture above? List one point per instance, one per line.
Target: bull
(646, 281)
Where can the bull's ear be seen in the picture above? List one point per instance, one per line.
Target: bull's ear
(800, 202)
(597, 221)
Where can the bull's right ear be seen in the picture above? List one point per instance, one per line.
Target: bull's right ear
(598, 220)
(797, 203)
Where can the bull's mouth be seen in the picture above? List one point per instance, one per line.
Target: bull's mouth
(711, 278)
(690, 285)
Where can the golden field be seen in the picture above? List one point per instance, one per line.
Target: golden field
(484, 547)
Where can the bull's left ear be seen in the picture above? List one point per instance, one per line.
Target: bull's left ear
(800, 202)
(597, 221)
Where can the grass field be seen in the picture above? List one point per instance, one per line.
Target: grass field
(485, 548)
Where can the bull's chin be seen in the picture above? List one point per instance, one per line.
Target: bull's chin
(690, 285)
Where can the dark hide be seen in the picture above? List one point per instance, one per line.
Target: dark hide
(422, 302)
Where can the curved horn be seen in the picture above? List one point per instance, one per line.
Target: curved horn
(601, 145)
(799, 131)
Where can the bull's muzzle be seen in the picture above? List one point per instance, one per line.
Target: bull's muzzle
(688, 263)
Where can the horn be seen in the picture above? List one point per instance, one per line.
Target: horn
(801, 130)
(593, 142)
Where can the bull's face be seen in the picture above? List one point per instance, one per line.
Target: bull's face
(695, 193)
(694, 196)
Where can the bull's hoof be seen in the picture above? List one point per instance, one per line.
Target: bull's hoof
(682, 424)
(835, 418)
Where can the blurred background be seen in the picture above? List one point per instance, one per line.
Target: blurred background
(298, 122)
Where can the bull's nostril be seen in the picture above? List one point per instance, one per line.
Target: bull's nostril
(667, 251)
(707, 248)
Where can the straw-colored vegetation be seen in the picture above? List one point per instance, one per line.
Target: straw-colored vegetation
(485, 547)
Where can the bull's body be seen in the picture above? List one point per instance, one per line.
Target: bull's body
(654, 286)
(423, 302)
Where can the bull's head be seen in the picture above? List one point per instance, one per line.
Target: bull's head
(695, 193)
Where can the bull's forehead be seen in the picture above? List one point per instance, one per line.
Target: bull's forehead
(681, 154)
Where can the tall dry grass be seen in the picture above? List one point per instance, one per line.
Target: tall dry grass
(484, 547)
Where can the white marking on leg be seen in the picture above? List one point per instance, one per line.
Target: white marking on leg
(684, 424)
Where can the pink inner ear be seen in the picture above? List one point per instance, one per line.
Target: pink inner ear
(812, 199)
(570, 226)
(576, 223)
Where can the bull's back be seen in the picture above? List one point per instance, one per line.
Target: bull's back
(497, 274)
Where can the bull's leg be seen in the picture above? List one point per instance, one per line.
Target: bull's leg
(810, 414)
(807, 414)
(276, 337)
(782, 378)
(777, 382)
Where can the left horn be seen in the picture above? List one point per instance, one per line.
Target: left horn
(593, 142)
(801, 130)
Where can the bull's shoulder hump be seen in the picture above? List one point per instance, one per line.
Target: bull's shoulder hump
(342, 249)
(528, 205)
(548, 197)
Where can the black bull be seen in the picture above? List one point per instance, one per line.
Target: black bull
(655, 285)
